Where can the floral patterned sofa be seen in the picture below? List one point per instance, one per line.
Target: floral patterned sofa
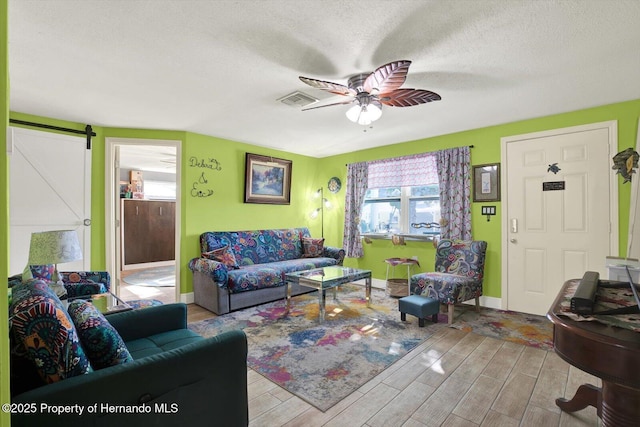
(239, 269)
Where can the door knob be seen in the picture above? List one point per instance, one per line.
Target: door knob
(513, 240)
(87, 222)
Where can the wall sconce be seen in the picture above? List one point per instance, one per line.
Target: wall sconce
(324, 204)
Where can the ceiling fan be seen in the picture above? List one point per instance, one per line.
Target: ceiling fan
(368, 92)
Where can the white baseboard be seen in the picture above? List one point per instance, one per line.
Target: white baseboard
(485, 301)
(489, 302)
(187, 298)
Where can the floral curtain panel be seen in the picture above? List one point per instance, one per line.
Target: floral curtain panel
(418, 169)
(451, 169)
(357, 184)
(454, 173)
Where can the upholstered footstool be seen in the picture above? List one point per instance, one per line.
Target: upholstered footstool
(419, 306)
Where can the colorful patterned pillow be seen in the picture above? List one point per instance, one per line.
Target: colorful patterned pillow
(43, 272)
(313, 248)
(224, 256)
(100, 340)
(43, 330)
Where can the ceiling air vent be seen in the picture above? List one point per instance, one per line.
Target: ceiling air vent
(298, 99)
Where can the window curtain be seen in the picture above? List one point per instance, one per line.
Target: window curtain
(357, 183)
(454, 173)
(414, 170)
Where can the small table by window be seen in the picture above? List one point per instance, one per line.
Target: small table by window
(399, 287)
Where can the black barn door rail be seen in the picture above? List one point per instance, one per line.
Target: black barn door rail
(88, 130)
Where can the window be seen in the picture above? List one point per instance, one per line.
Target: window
(407, 210)
(159, 190)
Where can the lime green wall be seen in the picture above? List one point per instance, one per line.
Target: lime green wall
(4, 213)
(225, 209)
(486, 142)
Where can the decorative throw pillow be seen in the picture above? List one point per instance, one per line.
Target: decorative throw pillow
(312, 248)
(100, 340)
(223, 255)
(41, 326)
(43, 272)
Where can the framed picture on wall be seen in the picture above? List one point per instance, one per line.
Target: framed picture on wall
(486, 183)
(267, 180)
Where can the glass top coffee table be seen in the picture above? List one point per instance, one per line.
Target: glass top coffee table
(107, 303)
(324, 278)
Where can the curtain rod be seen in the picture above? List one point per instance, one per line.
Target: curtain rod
(88, 130)
(470, 146)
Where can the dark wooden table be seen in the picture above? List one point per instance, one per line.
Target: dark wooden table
(607, 352)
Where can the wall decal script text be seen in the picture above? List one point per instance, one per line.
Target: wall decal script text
(199, 187)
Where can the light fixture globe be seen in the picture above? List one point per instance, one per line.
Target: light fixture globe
(366, 110)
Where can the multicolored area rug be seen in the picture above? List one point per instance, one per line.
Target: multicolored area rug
(521, 328)
(155, 276)
(323, 363)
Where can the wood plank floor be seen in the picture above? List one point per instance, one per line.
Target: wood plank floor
(454, 378)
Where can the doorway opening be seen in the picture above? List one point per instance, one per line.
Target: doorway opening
(143, 217)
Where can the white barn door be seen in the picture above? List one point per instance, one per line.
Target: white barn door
(50, 189)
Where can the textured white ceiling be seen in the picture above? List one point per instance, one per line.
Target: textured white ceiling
(218, 67)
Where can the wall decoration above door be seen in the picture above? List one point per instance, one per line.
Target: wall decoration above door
(267, 180)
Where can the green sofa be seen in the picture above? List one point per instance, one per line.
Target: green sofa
(167, 376)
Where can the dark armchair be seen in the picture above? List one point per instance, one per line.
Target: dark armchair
(174, 377)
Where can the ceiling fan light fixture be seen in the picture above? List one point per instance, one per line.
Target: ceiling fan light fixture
(365, 114)
(369, 91)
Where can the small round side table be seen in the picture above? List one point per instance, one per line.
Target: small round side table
(398, 287)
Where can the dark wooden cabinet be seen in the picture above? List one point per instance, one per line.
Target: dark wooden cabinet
(148, 231)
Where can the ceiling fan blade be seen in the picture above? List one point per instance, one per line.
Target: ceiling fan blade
(329, 105)
(328, 86)
(408, 97)
(388, 77)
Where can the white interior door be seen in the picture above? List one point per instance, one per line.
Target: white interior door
(559, 225)
(50, 189)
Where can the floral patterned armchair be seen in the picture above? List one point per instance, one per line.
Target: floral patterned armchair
(76, 283)
(458, 276)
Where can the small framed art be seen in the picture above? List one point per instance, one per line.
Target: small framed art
(486, 183)
(267, 180)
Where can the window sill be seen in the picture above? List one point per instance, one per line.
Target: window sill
(410, 237)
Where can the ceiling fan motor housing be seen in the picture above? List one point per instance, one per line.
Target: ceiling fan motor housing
(357, 82)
